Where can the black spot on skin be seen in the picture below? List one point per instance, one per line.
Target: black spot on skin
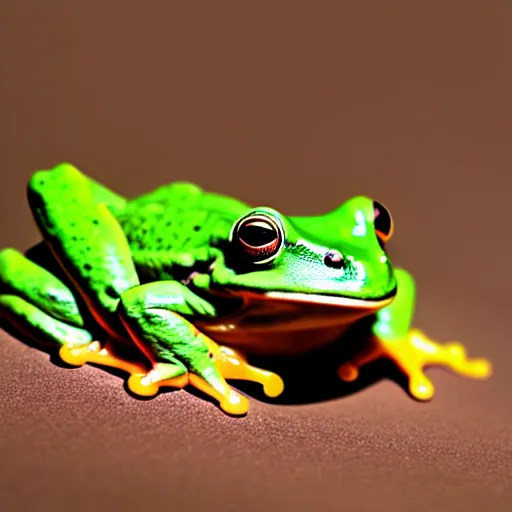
(197, 228)
(41, 182)
(87, 267)
(87, 248)
(168, 223)
(95, 221)
(73, 238)
(159, 240)
(111, 292)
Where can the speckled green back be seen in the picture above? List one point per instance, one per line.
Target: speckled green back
(180, 217)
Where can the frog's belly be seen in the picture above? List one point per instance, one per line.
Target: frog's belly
(281, 329)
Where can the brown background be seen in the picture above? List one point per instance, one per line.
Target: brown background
(298, 105)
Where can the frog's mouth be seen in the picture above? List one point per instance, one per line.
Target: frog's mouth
(317, 299)
(330, 300)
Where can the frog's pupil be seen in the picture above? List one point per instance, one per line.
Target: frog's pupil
(257, 235)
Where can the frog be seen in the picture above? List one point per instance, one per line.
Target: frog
(180, 288)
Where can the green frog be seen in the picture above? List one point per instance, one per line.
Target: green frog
(181, 287)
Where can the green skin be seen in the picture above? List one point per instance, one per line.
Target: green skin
(150, 268)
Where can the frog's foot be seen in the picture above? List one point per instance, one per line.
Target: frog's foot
(412, 354)
(78, 355)
(176, 376)
(233, 365)
(153, 315)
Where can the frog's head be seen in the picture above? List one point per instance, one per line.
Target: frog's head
(337, 258)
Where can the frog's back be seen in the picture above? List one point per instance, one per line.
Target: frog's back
(179, 216)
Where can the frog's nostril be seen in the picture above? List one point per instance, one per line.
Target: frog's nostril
(334, 259)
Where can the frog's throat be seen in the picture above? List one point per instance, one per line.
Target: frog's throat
(311, 298)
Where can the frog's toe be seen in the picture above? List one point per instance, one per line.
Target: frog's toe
(475, 368)
(232, 364)
(141, 385)
(456, 349)
(481, 368)
(234, 403)
(230, 401)
(273, 386)
(78, 355)
(420, 387)
(348, 372)
(457, 360)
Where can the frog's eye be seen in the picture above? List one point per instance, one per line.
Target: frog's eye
(382, 222)
(259, 238)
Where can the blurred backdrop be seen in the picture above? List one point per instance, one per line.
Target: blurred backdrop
(296, 105)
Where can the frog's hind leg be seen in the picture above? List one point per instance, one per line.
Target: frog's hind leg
(37, 304)
(76, 218)
(85, 238)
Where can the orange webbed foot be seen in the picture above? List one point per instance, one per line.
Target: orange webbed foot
(412, 354)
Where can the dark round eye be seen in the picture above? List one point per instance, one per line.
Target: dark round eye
(334, 259)
(382, 221)
(259, 238)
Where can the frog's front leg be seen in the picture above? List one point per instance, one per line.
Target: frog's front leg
(154, 315)
(85, 238)
(410, 349)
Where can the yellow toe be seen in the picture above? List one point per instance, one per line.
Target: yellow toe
(273, 386)
(229, 400)
(479, 368)
(141, 385)
(420, 387)
(74, 356)
(235, 404)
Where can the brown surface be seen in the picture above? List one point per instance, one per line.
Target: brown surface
(299, 108)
